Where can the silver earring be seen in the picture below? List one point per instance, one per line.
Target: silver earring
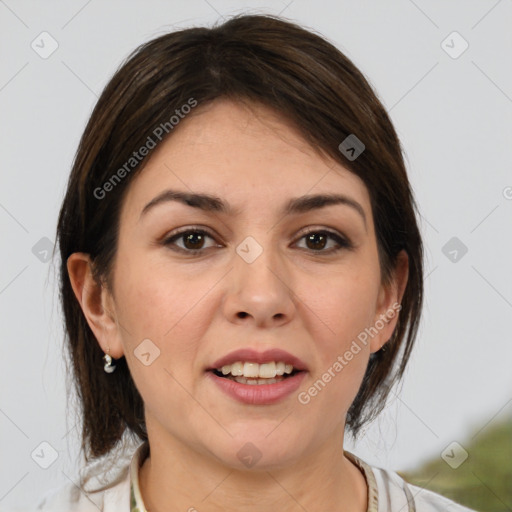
(109, 367)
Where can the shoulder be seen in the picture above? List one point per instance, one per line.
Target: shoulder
(389, 492)
(72, 498)
(395, 491)
(103, 485)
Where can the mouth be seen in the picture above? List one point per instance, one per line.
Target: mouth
(255, 384)
(251, 373)
(257, 378)
(248, 366)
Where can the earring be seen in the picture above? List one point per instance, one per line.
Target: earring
(109, 367)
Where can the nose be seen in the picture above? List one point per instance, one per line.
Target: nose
(259, 292)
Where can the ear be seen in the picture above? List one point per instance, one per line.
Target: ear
(388, 303)
(96, 302)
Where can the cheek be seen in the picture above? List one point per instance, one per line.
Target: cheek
(347, 306)
(155, 300)
(162, 323)
(343, 311)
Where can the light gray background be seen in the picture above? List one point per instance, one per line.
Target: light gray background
(454, 117)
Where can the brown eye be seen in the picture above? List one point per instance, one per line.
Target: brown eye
(318, 241)
(191, 241)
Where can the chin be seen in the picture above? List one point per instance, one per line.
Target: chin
(257, 452)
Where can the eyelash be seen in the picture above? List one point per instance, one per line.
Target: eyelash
(343, 243)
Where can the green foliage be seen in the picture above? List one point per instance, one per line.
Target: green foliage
(483, 481)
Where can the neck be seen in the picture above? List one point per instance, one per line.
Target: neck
(176, 477)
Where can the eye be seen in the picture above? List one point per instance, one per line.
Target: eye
(318, 240)
(193, 241)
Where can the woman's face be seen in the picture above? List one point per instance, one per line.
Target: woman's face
(256, 281)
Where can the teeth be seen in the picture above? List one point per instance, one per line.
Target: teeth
(237, 369)
(251, 370)
(267, 370)
(256, 371)
(243, 380)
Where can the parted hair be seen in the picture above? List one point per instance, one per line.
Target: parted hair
(258, 59)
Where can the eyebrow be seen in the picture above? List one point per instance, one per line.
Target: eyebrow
(209, 203)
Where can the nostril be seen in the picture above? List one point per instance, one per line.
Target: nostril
(242, 314)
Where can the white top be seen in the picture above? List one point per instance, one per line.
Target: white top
(387, 492)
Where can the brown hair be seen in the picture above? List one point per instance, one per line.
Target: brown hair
(260, 59)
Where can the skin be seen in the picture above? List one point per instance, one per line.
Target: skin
(293, 296)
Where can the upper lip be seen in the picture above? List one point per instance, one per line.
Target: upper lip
(253, 356)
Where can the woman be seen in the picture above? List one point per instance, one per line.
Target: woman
(241, 277)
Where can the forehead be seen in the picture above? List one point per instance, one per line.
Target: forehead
(245, 153)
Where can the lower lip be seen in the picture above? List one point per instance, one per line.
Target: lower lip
(258, 394)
